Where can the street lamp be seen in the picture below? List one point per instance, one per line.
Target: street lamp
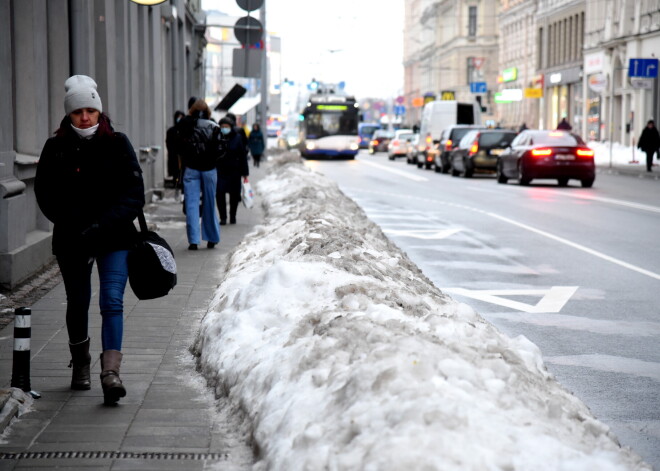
(148, 2)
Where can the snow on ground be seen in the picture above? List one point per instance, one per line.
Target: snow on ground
(344, 356)
(619, 154)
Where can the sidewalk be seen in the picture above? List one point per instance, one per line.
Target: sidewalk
(633, 170)
(169, 418)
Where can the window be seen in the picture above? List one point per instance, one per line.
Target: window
(472, 21)
(470, 70)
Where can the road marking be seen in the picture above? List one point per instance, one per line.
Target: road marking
(629, 204)
(407, 175)
(552, 300)
(610, 363)
(595, 253)
(425, 234)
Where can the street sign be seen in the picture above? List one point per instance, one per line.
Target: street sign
(647, 68)
(643, 83)
(248, 30)
(250, 5)
(400, 99)
(533, 92)
(478, 87)
(399, 110)
(447, 95)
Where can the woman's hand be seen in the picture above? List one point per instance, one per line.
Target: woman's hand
(245, 179)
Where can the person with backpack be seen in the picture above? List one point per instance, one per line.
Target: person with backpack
(197, 146)
(232, 167)
(89, 184)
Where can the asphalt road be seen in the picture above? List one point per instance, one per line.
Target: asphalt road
(577, 271)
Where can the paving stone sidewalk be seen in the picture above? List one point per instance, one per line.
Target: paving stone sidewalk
(169, 418)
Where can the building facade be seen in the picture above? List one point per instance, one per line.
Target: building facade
(147, 62)
(453, 45)
(520, 89)
(617, 32)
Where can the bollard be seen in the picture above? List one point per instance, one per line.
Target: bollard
(20, 373)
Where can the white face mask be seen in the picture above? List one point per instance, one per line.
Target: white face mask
(86, 133)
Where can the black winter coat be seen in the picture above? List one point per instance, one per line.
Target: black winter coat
(234, 162)
(649, 141)
(92, 190)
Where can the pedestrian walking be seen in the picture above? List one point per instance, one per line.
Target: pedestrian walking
(564, 125)
(173, 158)
(89, 184)
(649, 143)
(196, 134)
(256, 144)
(232, 168)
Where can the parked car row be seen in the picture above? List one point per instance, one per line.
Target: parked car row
(464, 150)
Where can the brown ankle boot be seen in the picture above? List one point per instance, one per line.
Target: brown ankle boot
(80, 360)
(113, 389)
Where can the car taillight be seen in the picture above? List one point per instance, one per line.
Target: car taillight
(374, 142)
(475, 148)
(395, 142)
(541, 152)
(587, 153)
(448, 144)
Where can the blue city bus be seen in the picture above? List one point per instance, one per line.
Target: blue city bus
(366, 131)
(329, 126)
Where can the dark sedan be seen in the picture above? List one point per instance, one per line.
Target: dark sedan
(478, 151)
(380, 140)
(558, 155)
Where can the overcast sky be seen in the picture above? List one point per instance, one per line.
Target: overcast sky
(357, 41)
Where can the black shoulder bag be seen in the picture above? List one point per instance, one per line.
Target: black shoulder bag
(151, 265)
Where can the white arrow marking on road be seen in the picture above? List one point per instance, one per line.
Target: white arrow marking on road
(410, 176)
(553, 299)
(424, 234)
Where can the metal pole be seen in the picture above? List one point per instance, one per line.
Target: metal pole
(264, 75)
(20, 371)
(611, 114)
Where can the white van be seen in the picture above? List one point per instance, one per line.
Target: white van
(438, 115)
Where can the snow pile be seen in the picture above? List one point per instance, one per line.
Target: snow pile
(619, 154)
(344, 356)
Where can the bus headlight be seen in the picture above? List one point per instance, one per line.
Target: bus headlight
(310, 146)
(354, 146)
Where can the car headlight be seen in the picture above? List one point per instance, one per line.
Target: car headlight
(310, 146)
(292, 141)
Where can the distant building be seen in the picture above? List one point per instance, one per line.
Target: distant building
(147, 62)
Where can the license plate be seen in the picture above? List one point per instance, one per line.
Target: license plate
(496, 151)
(564, 157)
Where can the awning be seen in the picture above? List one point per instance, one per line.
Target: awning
(245, 104)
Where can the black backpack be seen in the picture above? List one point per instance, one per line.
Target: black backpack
(197, 150)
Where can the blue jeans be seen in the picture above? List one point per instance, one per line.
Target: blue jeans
(76, 272)
(194, 182)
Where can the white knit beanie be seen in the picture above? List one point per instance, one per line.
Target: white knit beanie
(81, 93)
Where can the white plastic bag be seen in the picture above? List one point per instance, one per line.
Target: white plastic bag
(247, 195)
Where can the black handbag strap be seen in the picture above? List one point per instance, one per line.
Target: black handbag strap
(142, 221)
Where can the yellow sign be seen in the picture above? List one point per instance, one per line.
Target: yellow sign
(533, 93)
(447, 95)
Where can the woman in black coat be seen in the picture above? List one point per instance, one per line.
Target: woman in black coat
(89, 184)
(649, 143)
(232, 168)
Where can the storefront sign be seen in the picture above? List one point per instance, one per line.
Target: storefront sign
(598, 82)
(593, 63)
(418, 102)
(447, 95)
(533, 93)
(555, 78)
(508, 95)
(510, 74)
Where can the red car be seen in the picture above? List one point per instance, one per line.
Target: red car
(559, 155)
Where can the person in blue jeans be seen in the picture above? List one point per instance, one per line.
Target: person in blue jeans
(89, 184)
(196, 131)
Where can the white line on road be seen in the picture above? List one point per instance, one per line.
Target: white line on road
(593, 252)
(408, 175)
(630, 204)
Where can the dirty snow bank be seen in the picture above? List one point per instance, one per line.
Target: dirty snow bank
(344, 356)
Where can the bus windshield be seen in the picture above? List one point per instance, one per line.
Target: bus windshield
(330, 124)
